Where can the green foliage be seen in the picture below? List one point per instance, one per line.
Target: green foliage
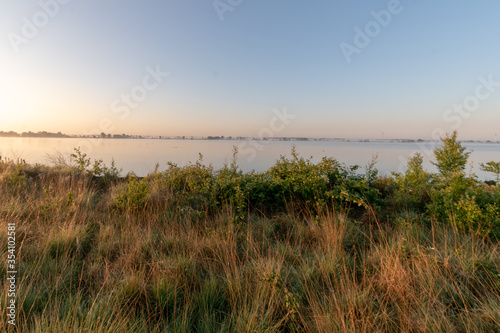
(371, 172)
(228, 189)
(451, 157)
(413, 188)
(289, 302)
(16, 180)
(49, 205)
(300, 180)
(191, 187)
(80, 159)
(197, 191)
(493, 167)
(467, 203)
(415, 174)
(135, 196)
(175, 257)
(470, 216)
(317, 185)
(71, 199)
(96, 168)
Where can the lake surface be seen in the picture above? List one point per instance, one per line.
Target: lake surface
(141, 155)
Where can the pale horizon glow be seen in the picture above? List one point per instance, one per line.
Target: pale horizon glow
(226, 77)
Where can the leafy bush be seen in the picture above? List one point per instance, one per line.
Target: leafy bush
(467, 203)
(477, 218)
(228, 189)
(15, 179)
(317, 185)
(135, 197)
(300, 180)
(297, 183)
(413, 188)
(96, 168)
(191, 186)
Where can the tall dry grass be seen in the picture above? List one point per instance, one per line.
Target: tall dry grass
(86, 266)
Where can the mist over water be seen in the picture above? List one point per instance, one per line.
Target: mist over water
(141, 155)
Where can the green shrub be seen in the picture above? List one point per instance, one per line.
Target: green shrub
(467, 203)
(16, 180)
(190, 185)
(228, 189)
(315, 186)
(469, 216)
(135, 196)
(288, 302)
(96, 168)
(413, 188)
(299, 179)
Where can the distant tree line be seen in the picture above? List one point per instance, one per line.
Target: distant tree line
(119, 136)
(222, 137)
(30, 134)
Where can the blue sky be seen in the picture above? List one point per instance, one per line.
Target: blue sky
(225, 77)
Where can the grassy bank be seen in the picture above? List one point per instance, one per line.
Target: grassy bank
(301, 247)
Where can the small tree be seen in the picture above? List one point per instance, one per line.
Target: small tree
(451, 157)
(493, 167)
(415, 172)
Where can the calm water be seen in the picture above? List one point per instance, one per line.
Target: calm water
(141, 156)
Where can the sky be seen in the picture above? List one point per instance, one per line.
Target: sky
(325, 68)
